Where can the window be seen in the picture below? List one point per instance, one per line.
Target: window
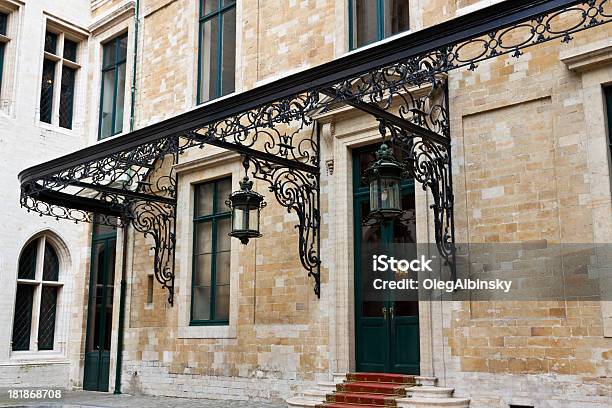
(211, 254)
(3, 41)
(112, 98)
(38, 288)
(373, 20)
(58, 79)
(217, 59)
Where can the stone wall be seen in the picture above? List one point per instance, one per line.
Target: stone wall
(521, 155)
(521, 175)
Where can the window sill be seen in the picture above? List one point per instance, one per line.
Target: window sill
(56, 128)
(29, 357)
(98, 140)
(207, 332)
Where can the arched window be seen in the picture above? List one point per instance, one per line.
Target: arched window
(38, 288)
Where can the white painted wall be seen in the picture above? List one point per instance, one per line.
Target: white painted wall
(24, 142)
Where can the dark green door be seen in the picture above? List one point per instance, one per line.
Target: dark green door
(100, 309)
(387, 330)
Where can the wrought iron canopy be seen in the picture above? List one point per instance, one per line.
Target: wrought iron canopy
(401, 83)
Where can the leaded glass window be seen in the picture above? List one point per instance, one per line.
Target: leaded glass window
(36, 297)
(114, 58)
(46, 93)
(217, 49)
(60, 68)
(374, 20)
(211, 254)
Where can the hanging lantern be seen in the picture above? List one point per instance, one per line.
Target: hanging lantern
(384, 177)
(245, 205)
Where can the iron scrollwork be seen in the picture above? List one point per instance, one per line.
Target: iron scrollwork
(126, 181)
(429, 163)
(297, 191)
(158, 221)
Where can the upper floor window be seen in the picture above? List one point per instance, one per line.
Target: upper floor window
(38, 289)
(217, 58)
(3, 41)
(373, 20)
(60, 67)
(210, 295)
(112, 95)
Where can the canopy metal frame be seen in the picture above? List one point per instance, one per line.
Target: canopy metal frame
(131, 178)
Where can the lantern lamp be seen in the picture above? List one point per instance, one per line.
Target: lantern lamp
(384, 177)
(245, 205)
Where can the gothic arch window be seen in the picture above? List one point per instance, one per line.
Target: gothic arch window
(38, 291)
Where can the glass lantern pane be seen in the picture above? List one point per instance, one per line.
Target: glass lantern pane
(389, 197)
(374, 197)
(254, 219)
(238, 219)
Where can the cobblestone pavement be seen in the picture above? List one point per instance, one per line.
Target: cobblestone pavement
(82, 399)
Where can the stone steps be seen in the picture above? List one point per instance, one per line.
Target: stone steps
(433, 402)
(424, 395)
(428, 391)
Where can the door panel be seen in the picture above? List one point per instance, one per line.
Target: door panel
(387, 331)
(100, 314)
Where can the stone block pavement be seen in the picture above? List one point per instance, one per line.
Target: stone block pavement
(90, 399)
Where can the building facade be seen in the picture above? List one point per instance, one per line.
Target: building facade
(531, 160)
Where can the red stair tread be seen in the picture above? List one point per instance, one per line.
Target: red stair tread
(361, 398)
(380, 377)
(373, 388)
(342, 405)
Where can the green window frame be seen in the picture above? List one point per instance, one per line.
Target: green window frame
(385, 17)
(3, 41)
(112, 92)
(210, 285)
(217, 49)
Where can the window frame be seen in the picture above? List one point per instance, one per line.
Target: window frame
(60, 62)
(380, 25)
(203, 18)
(38, 284)
(116, 40)
(214, 217)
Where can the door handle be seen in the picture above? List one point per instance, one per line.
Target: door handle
(391, 312)
(384, 310)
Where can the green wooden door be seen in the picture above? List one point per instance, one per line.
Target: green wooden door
(387, 329)
(100, 310)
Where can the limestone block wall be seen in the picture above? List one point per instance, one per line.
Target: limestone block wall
(520, 149)
(521, 158)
